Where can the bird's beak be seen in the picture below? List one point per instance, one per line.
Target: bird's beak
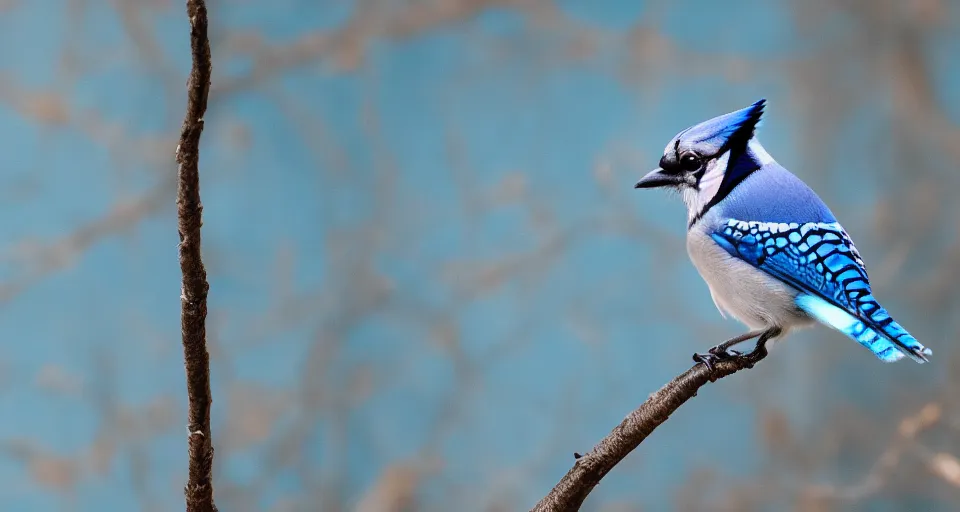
(658, 178)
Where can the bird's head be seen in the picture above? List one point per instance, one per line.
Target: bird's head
(704, 162)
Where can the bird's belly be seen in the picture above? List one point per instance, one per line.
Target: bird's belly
(746, 293)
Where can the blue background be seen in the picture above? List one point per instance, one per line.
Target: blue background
(431, 278)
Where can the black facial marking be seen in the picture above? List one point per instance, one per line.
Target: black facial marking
(742, 163)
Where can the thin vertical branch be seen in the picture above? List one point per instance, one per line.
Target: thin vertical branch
(193, 297)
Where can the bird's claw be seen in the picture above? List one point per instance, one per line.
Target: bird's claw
(725, 353)
(706, 359)
(715, 355)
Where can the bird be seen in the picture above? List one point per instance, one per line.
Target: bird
(773, 255)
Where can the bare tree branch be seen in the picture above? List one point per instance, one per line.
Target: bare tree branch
(886, 465)
(193, 298)
(573, 488)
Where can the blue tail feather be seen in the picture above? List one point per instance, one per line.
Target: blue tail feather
(885, 338)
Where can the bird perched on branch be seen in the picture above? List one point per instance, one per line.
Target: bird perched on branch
(771, 252)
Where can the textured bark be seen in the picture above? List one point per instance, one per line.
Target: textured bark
(590, 468)
(193, 295)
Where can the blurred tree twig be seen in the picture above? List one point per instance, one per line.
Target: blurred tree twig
(883, 469)
(590, 468)
(193, 298)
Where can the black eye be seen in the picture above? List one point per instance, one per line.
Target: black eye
(689, 161)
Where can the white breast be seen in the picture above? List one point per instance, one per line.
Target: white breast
(740, 290)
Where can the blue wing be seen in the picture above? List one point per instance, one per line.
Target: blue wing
(820, 260)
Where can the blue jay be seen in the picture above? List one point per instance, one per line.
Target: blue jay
(771, 252)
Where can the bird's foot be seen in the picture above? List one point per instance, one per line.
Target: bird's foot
(706, 359)
(724, 353)
(715, 355)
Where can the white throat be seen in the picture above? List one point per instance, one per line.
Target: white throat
(697, 199)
